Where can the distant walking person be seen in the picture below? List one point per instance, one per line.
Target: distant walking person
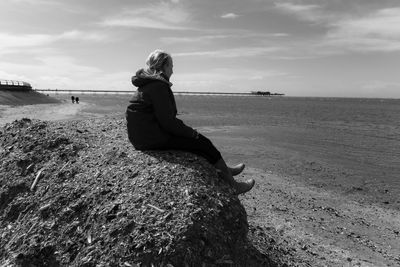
(72, 99)
(152, 123)
(77, 100)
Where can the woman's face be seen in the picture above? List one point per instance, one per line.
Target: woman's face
(168, 68)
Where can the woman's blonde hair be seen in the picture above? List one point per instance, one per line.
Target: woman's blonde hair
(156, 60)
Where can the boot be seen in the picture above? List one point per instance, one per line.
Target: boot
(243, 187)
(236, 170)
(225, 173)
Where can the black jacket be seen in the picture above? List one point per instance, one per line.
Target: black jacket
(151, 114)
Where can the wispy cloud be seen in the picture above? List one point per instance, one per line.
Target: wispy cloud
(379, 88)
(215, 79)
(46, 5)
(13, 76)
(83, 36)
(11, 43)
(280, 34)
(24, 40)
(305, 12)
(382, 23)
(164, 16)
(378, 31)
(379, 85)
(61, 68)
(371, 31)
(249, 36)
(232, 52)
(229, 16)
(132, 22)
(194, 39)
(32, 2)
(64, 72)
(295, 8)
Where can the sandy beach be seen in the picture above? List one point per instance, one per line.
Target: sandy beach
(315, 225)
(47, 112)
(325, 228)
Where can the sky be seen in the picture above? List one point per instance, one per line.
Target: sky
(322, 48)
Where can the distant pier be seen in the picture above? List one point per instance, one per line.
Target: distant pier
(66, 91)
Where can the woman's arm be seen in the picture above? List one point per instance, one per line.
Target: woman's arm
(164, 110)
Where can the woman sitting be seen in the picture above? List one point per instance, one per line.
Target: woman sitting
(152, 123)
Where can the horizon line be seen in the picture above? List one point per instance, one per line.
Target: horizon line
(177, 92)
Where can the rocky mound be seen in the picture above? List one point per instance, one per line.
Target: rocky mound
(15, 98)
(78, 194)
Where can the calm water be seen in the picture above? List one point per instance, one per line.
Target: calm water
(346, 144)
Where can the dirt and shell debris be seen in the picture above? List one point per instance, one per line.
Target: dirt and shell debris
(76, 193)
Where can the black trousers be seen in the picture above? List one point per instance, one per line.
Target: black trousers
(201, 146)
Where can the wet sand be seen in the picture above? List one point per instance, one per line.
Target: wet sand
(326, 223)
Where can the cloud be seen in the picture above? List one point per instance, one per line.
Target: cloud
(205, 39)
(32, 6)
(378, 31)
(280, 34)
(229, 16)
(194, 39)
(62, 68)
(132, 22)
(379, 85)
(383, 23)
(220, 79)
(83, 36)
(346, 32)
(12, 76)
(64, 72)
(378, 88)
(25, 40)
(12, 43)
(305, 12)
(163, 16)
(232, 52)
(295, 8)
(31, 2)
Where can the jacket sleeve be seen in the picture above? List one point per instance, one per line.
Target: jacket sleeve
(164, 111)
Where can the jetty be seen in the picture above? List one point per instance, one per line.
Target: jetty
(265, 93)
(71, 91)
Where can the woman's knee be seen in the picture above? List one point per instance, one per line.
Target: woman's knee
(204, 139)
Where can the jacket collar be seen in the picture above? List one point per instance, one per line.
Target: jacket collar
(144, 75)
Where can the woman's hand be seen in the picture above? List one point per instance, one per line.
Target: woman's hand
(196, 135)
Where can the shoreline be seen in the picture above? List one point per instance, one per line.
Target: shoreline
(315, 226)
